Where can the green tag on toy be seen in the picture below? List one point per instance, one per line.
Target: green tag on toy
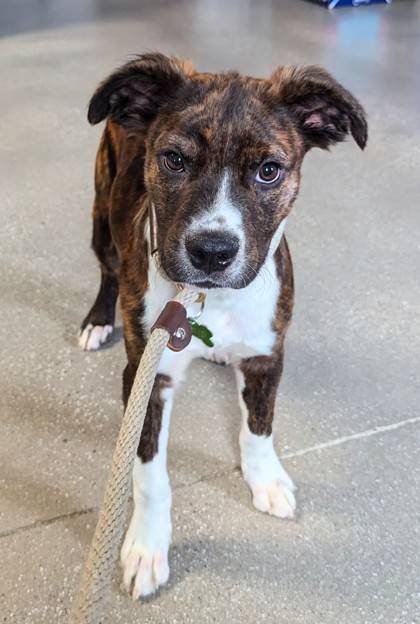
(202, 333)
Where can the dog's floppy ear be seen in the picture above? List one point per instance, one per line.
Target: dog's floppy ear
(324, 111)
(133, 94)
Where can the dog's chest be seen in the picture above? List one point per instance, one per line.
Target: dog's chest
(241, 321)
(241, 325)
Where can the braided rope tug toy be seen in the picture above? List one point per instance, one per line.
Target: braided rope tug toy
(171, 329)
(174, 330)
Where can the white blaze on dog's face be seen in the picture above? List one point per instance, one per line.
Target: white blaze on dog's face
(215, 240)
(223, 156)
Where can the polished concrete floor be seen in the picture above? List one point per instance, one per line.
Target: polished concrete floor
(348, 412)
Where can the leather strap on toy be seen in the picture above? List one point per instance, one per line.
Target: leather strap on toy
(173, 319)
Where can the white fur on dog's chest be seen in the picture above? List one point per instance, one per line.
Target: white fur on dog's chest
(241, 320)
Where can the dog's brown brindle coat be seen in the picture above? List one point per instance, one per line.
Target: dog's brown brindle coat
(217, 121)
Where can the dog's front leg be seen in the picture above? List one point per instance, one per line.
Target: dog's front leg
(144, 555)
(271, 487)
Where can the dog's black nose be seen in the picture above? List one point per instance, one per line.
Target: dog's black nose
(211, 252)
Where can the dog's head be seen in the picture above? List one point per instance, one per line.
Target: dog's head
(223, 156)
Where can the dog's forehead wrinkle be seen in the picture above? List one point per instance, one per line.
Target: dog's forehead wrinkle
(231, 145)
(178, 140)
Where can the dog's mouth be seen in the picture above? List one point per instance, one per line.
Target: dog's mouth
(207, 284)
(190, 277)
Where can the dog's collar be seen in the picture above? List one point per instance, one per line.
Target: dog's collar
(154, 250)
(153, 230)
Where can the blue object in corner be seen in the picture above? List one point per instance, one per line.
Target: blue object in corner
(335, 4)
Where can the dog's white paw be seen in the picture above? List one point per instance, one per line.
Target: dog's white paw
(144, 572)
(144, 555)
(92, 337)
(275, 498)
(272, 488)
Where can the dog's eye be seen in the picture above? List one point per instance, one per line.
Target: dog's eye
(174, 162)
(268, 173)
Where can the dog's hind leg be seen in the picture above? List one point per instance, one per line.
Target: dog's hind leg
(271, 487)
(99, 323)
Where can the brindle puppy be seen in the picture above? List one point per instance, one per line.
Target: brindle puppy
(218, 156)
